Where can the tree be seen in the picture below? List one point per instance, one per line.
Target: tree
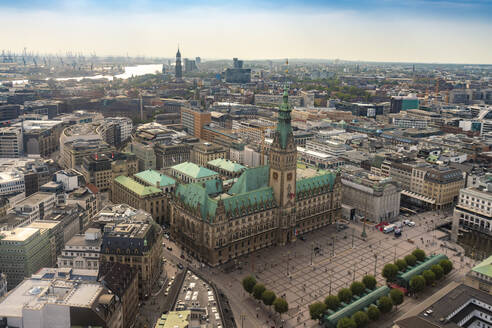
(419, 254)
(373, 313)
(332, 302)
(438, 271)
(345, 295)
(390, 271)
(357, 288)
(249, 283)
(361, 319)
(401, 264)
(410, 259)
(417, 283)
(429, 276)
(446, 266)
(316, 310)
(280, 305)
(268, 297)
(369, 281)
(384, 304)
(396, 296)
(346, 323)
(258, 290)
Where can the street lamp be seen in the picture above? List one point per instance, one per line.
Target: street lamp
(375, 264)
(312, 250)
(364, 234)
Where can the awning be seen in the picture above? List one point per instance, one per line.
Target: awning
(418, 196)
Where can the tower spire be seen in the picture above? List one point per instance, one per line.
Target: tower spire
(283, 126)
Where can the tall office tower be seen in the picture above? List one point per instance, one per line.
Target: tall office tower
(179, 69)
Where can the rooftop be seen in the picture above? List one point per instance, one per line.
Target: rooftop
(173, 319)
(193, 170)
(36, 198)
(136, 187)
(227, 165)
(18, 234)
(451, 304)
(153, 177)
(484, 267)
(63, 286)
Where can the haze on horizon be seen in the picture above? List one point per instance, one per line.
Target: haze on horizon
(438, 31)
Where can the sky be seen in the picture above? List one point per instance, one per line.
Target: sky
(432, 31)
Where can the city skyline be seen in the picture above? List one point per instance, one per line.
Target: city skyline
(380, 31)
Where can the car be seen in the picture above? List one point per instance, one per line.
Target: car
(302, 238)
(411, 224)
(182, 256)
(169, 248)
(180, 266)
(405, 222)
(397, 233)
(342, 226)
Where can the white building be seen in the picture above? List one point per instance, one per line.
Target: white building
(60, 298)
(474, 209)
(11, 142)
(125, 123)
(373, 197)
(11, 182)
(36, 207)
(68, 178)
(82, 251)
(329, 147)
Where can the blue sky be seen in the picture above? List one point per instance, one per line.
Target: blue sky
(374, 30)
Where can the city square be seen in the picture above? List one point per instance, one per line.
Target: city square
(305, 276)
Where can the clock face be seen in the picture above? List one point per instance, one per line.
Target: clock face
(275, 175)
(289, 176)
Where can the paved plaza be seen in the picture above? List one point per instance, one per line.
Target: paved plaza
(305, 276)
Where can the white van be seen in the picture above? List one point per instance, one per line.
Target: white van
(389, 228)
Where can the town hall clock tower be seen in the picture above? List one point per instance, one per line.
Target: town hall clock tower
(283, 163)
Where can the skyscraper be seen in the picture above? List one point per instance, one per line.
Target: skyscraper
(179, 69)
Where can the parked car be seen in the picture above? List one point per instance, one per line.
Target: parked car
(397, 232)
(411, 224)
(169, 248)
(180, 266)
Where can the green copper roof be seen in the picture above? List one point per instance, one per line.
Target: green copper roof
(283, 126)
(136, 187)
(485, 267)
(251, 194)
(227, 165)
(152, 177)
(193, 170)
(253, 201)
(251, 179)
(312, 183)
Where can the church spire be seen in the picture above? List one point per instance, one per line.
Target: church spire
(283, 126)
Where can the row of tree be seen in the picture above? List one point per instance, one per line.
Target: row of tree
(268, 297)
(428, 277)
(384, 305)
(361, 318)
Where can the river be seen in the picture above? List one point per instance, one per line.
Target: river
(129, 72)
